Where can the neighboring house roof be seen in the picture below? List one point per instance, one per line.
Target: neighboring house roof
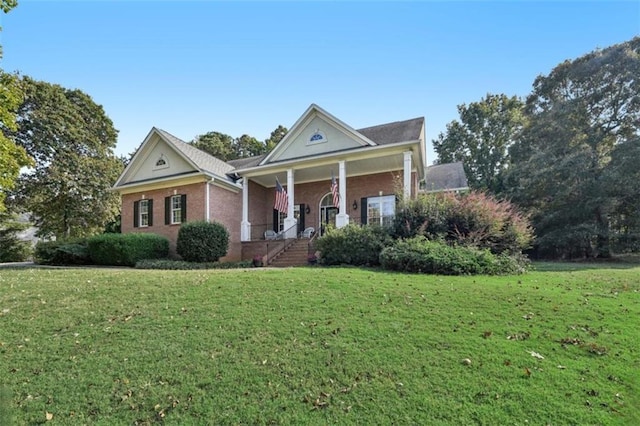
(398, 131)
(202, 160)
(445, 177)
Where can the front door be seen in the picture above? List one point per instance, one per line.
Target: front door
(327, 217)
(328, 213)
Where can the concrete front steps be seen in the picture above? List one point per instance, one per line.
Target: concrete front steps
(294, 255)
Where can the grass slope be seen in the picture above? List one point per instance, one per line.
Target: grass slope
(318, 346)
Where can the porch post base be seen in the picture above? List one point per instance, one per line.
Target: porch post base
(291, 230)
(342, 220)
(245, 231)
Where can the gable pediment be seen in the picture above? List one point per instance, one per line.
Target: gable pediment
(155, 159)
(316, 133)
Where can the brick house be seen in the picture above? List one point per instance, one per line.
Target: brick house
(169, 182)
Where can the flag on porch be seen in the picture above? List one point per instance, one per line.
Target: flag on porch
(282, 203)
(334, 191)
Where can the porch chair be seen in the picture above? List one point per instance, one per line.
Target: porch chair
(270, 234)
(308, 232)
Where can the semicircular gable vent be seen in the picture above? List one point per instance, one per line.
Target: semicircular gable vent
(161, 163)
(317, 137)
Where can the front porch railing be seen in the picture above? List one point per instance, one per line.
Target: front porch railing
(277, 246)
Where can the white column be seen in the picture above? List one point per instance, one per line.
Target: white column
(342, 219)
(245, 226)
(207, 206)
(407, 175)
(290, 221)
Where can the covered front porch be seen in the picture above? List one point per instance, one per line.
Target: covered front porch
(367, 189)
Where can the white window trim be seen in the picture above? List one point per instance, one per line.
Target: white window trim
(142, 212)
(382, 201)
(175, 210)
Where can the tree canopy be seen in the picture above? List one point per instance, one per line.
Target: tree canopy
(226, 148)
(12, 156)
(72, 141)
(481, 139)
(567, 166)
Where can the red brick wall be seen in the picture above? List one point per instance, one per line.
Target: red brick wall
(225, 207)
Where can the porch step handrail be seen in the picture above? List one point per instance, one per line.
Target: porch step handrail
(280, 247)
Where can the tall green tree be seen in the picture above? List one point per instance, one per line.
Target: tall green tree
(217, 144)
(579, 114)
(225, 147)
(247, 146)
(72, 141)
(275, 137)
(12, 156)
(481, 139)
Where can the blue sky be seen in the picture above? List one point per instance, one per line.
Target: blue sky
(245, 67)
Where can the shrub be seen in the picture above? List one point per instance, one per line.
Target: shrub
(473, 219)
(182, 265)
(436, 257)
(126, 249)
(353, 245)
(202, 241)
(12, 249)
(62, 252)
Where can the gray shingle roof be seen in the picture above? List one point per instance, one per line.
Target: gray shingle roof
(398, 131)
(242, 163)
(205, 162)
(443, 177)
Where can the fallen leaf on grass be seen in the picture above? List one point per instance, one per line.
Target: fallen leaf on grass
(536, 355)
(48, 415)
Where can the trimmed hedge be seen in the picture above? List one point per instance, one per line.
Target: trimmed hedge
(202, 241)
(62, 252)
(353, 245)
(182, 265)
(434, 257)
(126, 249)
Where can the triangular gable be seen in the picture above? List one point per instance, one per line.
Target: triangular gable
(156, 158)
(316, 133)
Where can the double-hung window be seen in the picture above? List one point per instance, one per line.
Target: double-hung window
(175, 209)
(143, 213)
(380, 210)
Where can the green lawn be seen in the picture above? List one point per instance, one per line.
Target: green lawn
(319, 346)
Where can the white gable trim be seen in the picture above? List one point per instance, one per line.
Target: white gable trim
(312, 112)
(147, 146)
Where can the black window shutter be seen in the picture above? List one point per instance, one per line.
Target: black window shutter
(275, 221)
(183, 207)
(363, 211)
(167, 210)
(301, 218)
(136, 214)
(150, 210)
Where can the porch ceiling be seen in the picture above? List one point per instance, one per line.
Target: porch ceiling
(304, 173)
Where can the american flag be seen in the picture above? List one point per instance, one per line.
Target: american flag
(281, 203)
(334, 191)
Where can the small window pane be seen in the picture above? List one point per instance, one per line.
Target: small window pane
(144, 213)
(381, 210)
(176, 209)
